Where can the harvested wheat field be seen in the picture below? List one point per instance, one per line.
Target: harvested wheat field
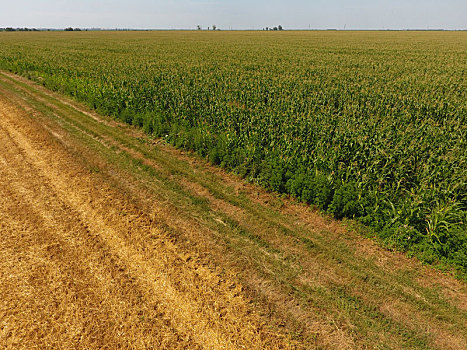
(110, 239)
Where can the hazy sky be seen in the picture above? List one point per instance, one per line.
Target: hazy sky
(239, 14)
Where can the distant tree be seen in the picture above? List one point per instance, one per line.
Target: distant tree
(214, 27)
(69, 29)
(275, 28)
(198, 27)
(280, 27)
(77, 29)
(267, 28)
(9, 29)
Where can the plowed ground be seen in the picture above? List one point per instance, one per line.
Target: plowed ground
(110, 239)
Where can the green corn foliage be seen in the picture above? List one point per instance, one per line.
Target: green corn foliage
(366, 125)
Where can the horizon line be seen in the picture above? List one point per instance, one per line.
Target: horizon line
(227, 29)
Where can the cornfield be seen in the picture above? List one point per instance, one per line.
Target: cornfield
(364, 125)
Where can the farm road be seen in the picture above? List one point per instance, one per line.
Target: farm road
(83, 267)
(111, 239)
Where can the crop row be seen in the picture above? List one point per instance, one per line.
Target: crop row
(370, 126)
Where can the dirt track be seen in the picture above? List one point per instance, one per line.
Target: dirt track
(83, 267)
(111, 240)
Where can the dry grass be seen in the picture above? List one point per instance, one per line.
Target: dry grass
(82, 266)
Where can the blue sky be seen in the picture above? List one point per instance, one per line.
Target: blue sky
(239, 14)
